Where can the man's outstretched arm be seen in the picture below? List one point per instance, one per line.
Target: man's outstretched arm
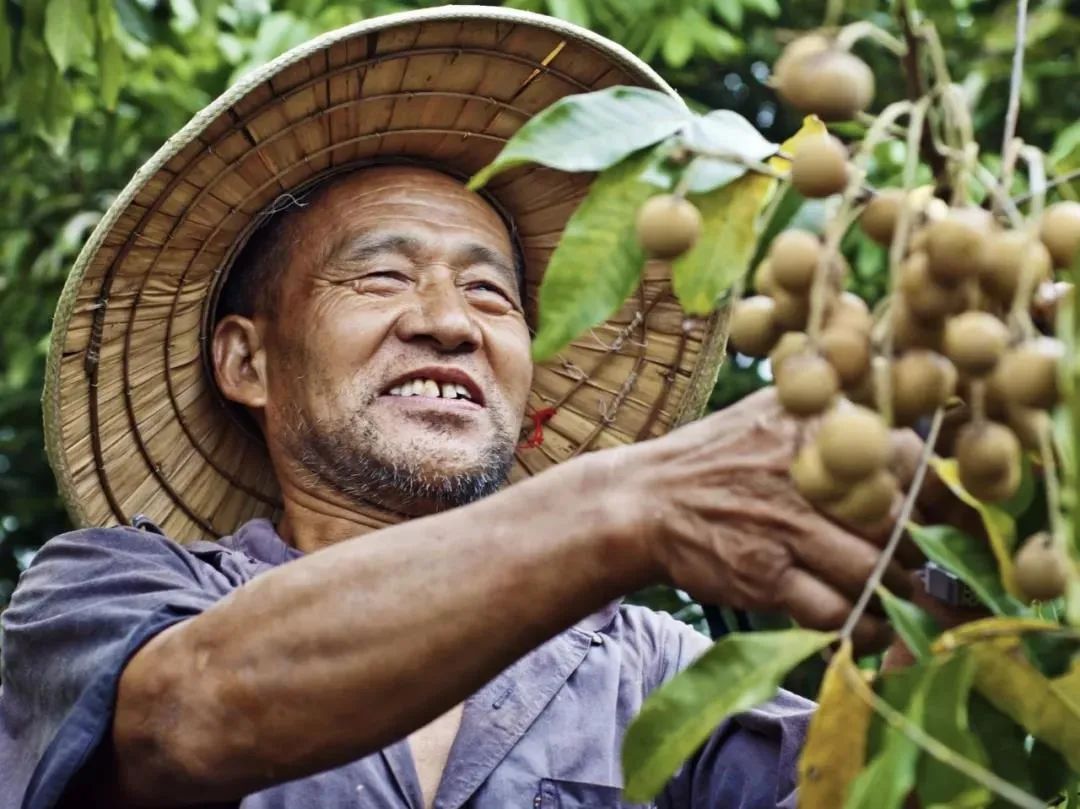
(335, 655)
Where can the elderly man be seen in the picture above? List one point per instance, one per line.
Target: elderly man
(372, 340)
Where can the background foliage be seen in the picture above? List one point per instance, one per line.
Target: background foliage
(90, 88)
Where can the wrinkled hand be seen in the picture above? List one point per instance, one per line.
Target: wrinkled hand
(727, 524)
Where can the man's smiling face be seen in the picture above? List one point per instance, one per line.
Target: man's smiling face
(397, 356)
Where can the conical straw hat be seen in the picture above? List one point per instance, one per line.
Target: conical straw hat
(133, 422)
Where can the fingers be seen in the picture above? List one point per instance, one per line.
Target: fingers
(843, 559)
(814, 604)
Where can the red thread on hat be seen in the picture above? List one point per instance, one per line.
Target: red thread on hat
(539, 419)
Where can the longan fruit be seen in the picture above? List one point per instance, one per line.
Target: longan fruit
(922, 381)
(909, 331)
(791, 310)
(850, 311)
(1029, 424)
(668, 226)
(1009, 256)
(1041, 568)
(764, 282)
(848, 351)
(925, 297)
(1028, 373)
(993, 490)
(789, 344)
(975, 341)
(832, 84)
(986, 451)
(854, 443)
(1048, 299)
(753, 330)
(793, 257)
(955, 242)
(867, 502)
(879, 217)
(1060, 231)
(808, 385)
(812, 479)
(787, 71)
(819, 167)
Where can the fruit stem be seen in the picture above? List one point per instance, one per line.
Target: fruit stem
(942, 752)
(1053, 490)
(989, 182)
(834, 10)
(978, 401)
(1008, 149)
(864, 29)
(898, 528)
(1036, 165)
(1059, 179)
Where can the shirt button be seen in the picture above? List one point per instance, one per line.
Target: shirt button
(596, 639)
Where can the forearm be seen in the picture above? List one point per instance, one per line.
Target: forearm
(333, 656)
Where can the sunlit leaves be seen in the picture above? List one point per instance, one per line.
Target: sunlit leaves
(69, 32)
(913, 624)
(738, 673)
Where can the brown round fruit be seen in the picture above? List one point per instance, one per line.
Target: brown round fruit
(921, 381)
(975, 341)
(807, 386)
(854, 443)
(1060, 232)
(819, 167)
(790, 344)
(993, 490)
(811, 478)
(794, 256)
(764, 283)
(668, 226)
(832, 84)
(868, 501)
(1028, 374)
(849, 311)
(1049, 299)
(792, 311)
(925, 297)
(1029, 424)
(753, 329)
(955, 243)
(848, 351)
(879, 217)
(986, 451)
(787, 72)
(1041, 568)
(1009, 256)
(911, 332)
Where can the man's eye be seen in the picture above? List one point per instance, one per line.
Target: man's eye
(385, 279)
(483, 286)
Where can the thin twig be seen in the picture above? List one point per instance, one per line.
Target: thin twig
(864, 29)
(917, 88)
(1060, 179)
(898, 529)
(1053, 490)
(1008, 152)
(942, 752)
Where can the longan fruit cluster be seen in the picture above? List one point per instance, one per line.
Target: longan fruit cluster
(814, 75)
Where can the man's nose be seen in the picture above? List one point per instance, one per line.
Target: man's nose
(442, 317)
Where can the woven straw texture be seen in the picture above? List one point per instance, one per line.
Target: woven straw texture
(133, 424)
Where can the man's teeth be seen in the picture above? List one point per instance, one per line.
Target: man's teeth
(431, 389)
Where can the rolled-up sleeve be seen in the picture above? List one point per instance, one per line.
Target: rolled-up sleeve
(751, 760)
(88, 602)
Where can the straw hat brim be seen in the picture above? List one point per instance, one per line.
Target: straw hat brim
(133, 423)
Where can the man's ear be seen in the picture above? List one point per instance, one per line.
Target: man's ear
(240, 361)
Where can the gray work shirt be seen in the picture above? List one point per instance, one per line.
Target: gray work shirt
(544, 734)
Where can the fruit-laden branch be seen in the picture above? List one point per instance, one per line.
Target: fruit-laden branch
(898, 528)
(1008, 149)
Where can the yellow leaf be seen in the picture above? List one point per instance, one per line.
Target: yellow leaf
(1000, 527)
(812, 127)
(835, 749)
(1048, 709)
(991, 629)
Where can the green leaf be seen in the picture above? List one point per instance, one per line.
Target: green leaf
(835, 747)
(105, 18)
(971, 560)
(728, 240)
(110, 72)
(726, 134)
(590, 131)
(1048, 709)
(69, 32)
(946, 719)
(1003, 740)
(915, 626)
(736, 674)
(707, 174)
(57, 114)
(678, 44)
(730, 11)
(575, 11)
(598, 260)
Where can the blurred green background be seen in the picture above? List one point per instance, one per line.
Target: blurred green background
(89, 89)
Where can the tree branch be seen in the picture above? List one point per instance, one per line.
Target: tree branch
(917, 87)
